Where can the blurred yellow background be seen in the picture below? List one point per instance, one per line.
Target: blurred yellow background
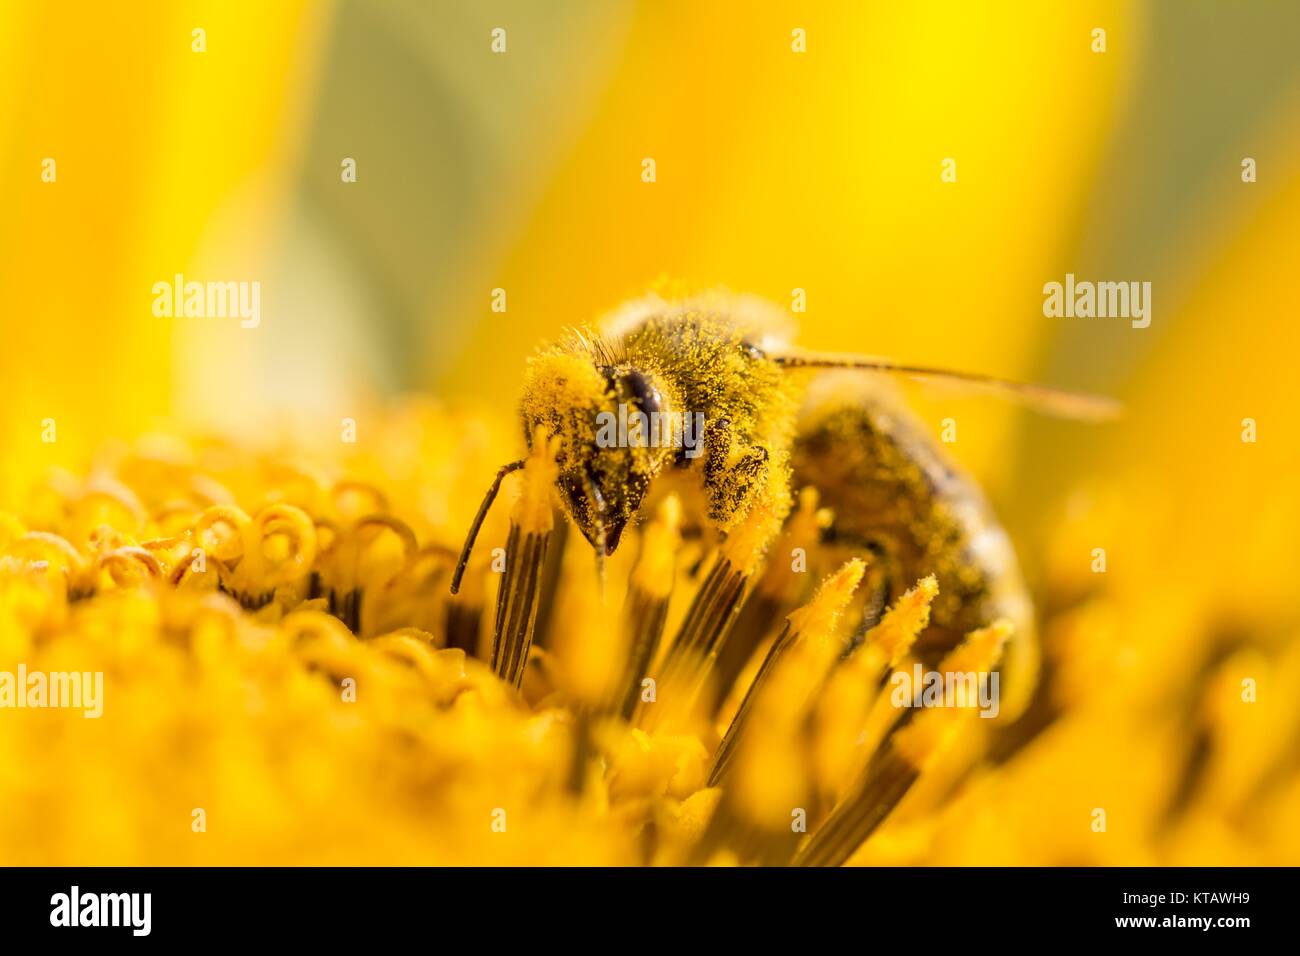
(775, 171)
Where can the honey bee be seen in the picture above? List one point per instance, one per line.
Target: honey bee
(772, 424)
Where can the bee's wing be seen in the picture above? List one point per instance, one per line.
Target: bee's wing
(1043, 398)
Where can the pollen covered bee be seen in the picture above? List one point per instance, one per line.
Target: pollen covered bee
(704, 399)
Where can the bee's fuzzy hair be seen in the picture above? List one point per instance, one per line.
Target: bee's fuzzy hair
(602, 349)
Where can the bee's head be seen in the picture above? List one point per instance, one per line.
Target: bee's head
(604, 416)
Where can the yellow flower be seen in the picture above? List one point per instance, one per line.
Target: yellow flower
(286, 679)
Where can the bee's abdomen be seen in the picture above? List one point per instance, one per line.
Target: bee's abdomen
(888, 482)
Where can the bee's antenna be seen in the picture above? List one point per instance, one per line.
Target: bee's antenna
(599, 500)
(478, 522)
(1045, 398)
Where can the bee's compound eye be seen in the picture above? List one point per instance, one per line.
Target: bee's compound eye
(640, 388)
(633, 384)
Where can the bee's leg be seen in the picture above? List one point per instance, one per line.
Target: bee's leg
(717, 449)
(731, 485)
